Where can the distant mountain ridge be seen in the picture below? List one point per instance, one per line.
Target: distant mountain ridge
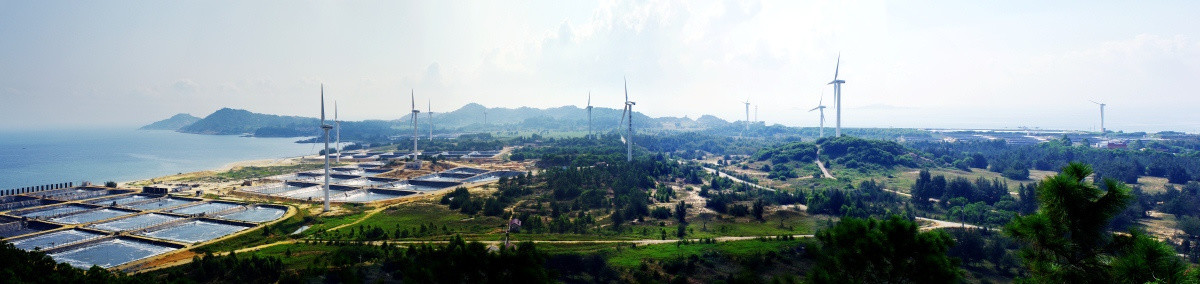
(174, 123)
(468, 118)
(227, 121)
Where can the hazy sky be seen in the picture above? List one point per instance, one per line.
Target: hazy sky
(907, 63)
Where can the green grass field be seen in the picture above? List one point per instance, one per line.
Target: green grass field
(711, 228)
(412, 215)
(631, 257)
(300, 253)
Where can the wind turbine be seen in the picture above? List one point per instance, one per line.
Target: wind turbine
(1102, 130)
(755, 113)
(837, 95)
(326, 128)
(747, 125)
(821, 107)
(338, 123)
(589, 111)
(415, 112)
(627, 116)
(429, 110)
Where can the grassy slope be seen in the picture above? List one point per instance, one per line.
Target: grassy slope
(632, 257)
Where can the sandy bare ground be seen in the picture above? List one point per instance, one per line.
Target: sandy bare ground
(1161, 226)
(940, 224)
(735, 179)
(824, 170)
(260, 163)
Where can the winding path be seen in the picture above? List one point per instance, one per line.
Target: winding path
(820, 164)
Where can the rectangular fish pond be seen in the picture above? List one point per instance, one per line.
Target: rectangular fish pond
(369, 195)
(316, 193)
(160, 203)
(121, 200)
(408, 186)
(53, 239)
(206, 208)
(53, 211)
(110, 252)
(12, 227)
(276, 188)
(348, 181)
(380, 182)
(15, 202)
(91, 216)
(78, 193)
(256, 214)
(135, 222)
(195, 231)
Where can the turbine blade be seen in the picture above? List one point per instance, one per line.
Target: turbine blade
(838, 66)
(815, 108)
(335, 118)
(414, 98)
(626, 89)
(322, 104)
(623, 112)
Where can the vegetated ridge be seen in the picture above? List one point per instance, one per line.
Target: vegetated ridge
(174, 123)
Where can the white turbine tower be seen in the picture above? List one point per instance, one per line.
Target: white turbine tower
(627, 117)
(747, 121)
(338, 123)
(589, 111)
(326, 128)
(1103, 132)
(837, 95)
(415, 112)
(821, 108)
(429, 111)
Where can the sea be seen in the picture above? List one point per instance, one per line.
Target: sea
(40, 157)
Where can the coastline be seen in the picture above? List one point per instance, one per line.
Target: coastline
(286, 161)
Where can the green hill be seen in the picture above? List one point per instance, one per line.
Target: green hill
(227, 121)
(174, 123)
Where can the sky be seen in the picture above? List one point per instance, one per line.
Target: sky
(923, 64)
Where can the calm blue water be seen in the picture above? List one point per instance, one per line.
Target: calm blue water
(29, 158)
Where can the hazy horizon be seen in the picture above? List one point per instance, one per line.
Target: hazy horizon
(71, 65)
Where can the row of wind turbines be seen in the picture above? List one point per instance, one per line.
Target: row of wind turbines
(837, 100)
(337, 124)
(626, 121)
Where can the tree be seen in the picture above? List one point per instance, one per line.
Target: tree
(1143, 259)
(617, 219)
(1178, 175)
(1066, 240)
(758, 209)
(681, 212)
(889, 251)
